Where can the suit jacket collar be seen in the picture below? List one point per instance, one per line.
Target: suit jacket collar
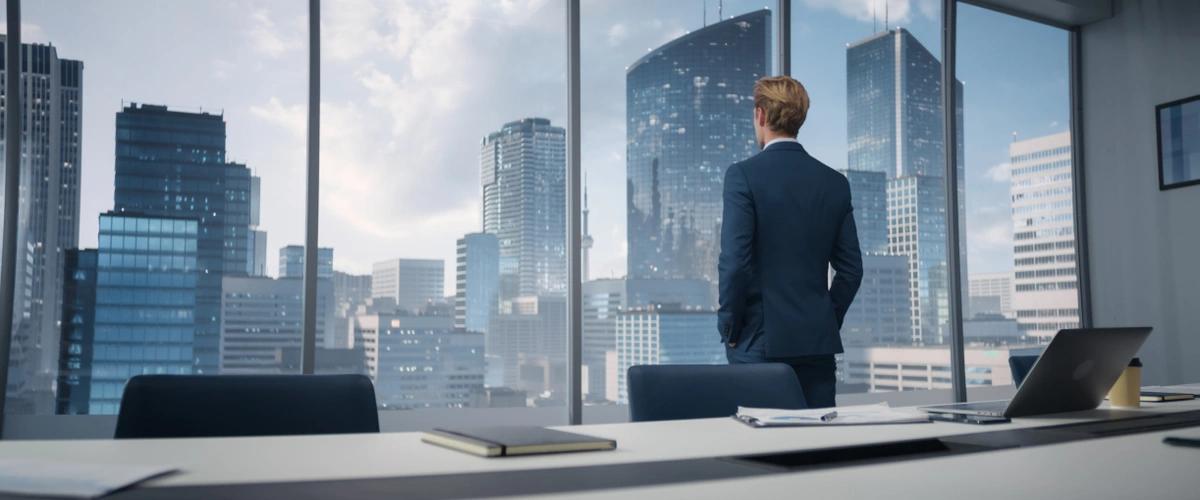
(785, 146)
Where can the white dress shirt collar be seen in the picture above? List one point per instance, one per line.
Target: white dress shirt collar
(781, 139)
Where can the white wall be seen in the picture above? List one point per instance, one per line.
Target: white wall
(1144, 244)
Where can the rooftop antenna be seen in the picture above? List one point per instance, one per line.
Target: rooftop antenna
(874, 19)
(706, 13)
(720, 10)
(885, 16)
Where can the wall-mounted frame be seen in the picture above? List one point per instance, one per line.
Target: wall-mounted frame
(1178, 127)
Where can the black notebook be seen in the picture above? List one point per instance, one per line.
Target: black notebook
(514, 440)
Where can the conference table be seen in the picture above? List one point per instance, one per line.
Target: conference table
(1103, 453)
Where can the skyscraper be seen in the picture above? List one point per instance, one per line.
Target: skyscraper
(991, 293)
(665, 335)
(412, 283)
(894, 126)
(146, 299)
(262, 323)
(604, 299)
(78, 332)
(917, 230)
(256, 262)
(687, 119)
(1045, 297)
(868, 193)
(349, 292)
(523, 172)
(291, 262)
(48, 223)
(477, 281)
(172, 164)
(419, 361)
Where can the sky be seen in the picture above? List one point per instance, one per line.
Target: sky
(410, 87)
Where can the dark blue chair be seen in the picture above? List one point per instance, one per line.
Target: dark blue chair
(675, 392)
(173, 406)
(1020, 366)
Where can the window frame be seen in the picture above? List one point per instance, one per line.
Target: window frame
(92, 426)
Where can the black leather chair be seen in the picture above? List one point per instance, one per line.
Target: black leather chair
(1020, 366)
(170, 406)
(674, 392)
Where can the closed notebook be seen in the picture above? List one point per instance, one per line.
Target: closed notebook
(1159, 397)
(514, 440)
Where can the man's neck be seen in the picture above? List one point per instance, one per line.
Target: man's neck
(769, 138)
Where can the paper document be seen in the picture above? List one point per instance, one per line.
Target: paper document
(71, 479)
(1193, 389)
(843, 415)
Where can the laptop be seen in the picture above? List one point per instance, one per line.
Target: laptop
(1074, 373)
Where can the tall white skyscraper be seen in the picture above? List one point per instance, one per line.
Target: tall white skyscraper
(412, 283)
(1045, 281)
(48, 223)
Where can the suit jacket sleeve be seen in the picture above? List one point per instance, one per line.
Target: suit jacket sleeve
(737, 247)
(846, 261)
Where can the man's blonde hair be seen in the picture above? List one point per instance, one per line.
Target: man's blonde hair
(784, 101)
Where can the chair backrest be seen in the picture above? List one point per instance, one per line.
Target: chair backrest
(673, 392)
(1020, 366)
(162, 406)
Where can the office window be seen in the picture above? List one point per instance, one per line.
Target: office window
(443, 184)
(1021, 283)
(666, 93)
(158, 164)
(874, 78)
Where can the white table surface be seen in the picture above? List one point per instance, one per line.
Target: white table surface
(348, 456)
(1135, 466)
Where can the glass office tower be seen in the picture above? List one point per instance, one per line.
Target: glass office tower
(477, 281)
(523, 168)
(894, 126)
(291, 262)
(172, 164)
(688, 118)
(48, 219)
(146, 299)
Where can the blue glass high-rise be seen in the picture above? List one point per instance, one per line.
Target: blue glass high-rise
(688, 117)
(172, 164)
(146, 299)
(895, 127)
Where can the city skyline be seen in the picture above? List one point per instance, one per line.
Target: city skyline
(267, 118)
(228, 242)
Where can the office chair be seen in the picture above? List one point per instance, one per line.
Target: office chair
(1020, 366)
(673, 392)
(166, 406)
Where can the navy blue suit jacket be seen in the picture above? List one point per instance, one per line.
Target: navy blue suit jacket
(787, 218)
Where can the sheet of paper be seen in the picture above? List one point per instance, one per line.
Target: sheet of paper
(71, 479)
(846, 415)
(1193, 389)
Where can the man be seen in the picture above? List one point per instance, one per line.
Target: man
(787, 218)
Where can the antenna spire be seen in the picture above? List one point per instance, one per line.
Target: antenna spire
(885, 16)
(706, 13)
(720, 10)
(874, 19)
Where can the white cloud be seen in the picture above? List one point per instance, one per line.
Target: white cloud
(617, 34)
(269, 39)
(1001, 172)
(995, 235)
(409, 89)
(898, 11)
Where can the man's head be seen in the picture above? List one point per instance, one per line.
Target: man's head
(780, 106)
